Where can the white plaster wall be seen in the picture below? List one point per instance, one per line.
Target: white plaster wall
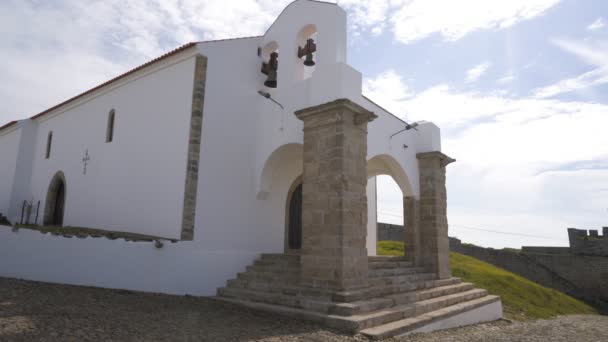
(9, 145)
(372, 211)
(136, 182)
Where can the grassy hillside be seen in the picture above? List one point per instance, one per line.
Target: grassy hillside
(521, 298)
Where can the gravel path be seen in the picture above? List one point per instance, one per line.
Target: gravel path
(32, 311)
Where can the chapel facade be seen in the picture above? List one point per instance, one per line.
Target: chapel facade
(239, 169)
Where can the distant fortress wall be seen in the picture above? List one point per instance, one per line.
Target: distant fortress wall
(580, 270)
(588, 243)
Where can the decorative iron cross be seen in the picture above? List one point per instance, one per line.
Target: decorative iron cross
(85, 160)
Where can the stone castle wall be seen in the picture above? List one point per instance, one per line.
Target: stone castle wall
(588, 243)
(583, 277)
(390, 232)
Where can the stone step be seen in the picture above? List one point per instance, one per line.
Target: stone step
(385, 258)
(280, 257)
(420, 294)
(276, 263)
(416, 296)
(384, 272)
(316, 304)
(405, 325)
(273, 269)
(367, 320)
(398, 279)
(269, 277)
(389, 264)
(385, 290)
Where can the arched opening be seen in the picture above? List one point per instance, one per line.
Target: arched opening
(293, 218)
(270, 64)
(305, 71)
(388, 185)
(55, 201)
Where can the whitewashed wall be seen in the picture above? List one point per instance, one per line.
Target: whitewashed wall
(250, 156)
(9, 145)
(136, 182)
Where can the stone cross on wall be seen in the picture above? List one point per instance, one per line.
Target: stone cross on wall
(85, 160)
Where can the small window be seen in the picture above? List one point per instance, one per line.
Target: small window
(110, 128)
(49, 142)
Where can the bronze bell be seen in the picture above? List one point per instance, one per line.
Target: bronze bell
(270, 69)
(307, 51)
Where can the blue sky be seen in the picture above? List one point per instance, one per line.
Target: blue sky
(519, 88)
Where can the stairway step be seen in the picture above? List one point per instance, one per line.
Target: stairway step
(269, 277)
(279, 257)
(399, 312)
(384, 272)
(273, 269)
(390, 264)
(385, 258)
(415, 296)
(295, 300)
(408, 324)
(421, 293)
(385, 290)
(396, 280)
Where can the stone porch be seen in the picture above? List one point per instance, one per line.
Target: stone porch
(333, 280)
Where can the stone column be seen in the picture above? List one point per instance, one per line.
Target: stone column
(334, 203)
(411, 234)
(433, 225)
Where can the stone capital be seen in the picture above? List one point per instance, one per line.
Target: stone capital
(341, 110)
(443, 158)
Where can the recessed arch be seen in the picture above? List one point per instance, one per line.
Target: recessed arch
(55, 201)
(293, 217)
(307, 32)
(288, 155)
(384, 164)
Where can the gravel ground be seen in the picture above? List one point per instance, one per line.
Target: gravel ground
(32, 311)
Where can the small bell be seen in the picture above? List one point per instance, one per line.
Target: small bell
(270, 69)
(307, 51)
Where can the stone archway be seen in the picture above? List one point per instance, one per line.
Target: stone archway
(55, 201)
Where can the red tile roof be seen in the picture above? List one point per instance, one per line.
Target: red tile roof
(12, 123)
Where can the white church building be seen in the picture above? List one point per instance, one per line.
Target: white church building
(245, 165)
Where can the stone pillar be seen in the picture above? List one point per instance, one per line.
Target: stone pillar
(334, 203)
(411, 231)
(433, 224)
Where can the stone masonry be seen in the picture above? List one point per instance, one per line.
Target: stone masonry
(433, 224)
(592, 244)
(194, 146)
(334, 202)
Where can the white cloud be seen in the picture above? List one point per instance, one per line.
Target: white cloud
(594, 53)
(506, 79)
(597, 24)
(477, 71)
(505, 147)
(418, 19)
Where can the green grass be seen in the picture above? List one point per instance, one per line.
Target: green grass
(521, 298)
(394, 248)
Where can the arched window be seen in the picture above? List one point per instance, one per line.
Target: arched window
(305, 71)
(110, 127)
(49, 142)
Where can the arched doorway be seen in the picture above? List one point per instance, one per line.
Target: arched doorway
(294, 229)
(293, 218)
(55, 201)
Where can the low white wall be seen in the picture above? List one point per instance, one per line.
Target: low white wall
(178, 268)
